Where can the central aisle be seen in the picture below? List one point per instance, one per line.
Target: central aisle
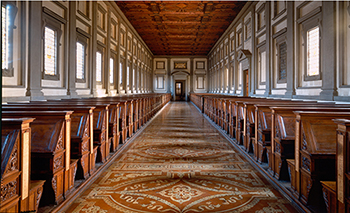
(180, 163)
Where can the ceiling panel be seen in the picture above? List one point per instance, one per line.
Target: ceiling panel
(180, 27)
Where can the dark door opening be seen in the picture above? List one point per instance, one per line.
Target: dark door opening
(246, 83)
(180, 91)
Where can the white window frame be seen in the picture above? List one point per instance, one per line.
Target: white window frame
(54, 22)
(111, 70)
(12, 11)
(101, 67)
(306, 25)
(82, 37)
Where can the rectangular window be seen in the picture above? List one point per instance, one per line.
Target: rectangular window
(263, 66)
(121, 73)
(127, 75)
(282, 61)
(226, 70)
(111, 70)
(313, 51)
(80, 51)
(98, 67)
(133, 77)
(160, 82)
(5, 22)
(50, 51)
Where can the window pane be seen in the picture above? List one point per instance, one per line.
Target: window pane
(50, 51)
(98, 66)
(263, 66)
(227, 77)
(121, 73)
(160, 82)
(141, 79)
(111, 70)
(283, 61)
(313, 52)
(80, 60)
(5, 22)
(127, 75)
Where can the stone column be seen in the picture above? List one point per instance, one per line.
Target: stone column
(252, 65)
(191, 77)
(328, 51)
(72, 49)
(107, 66)
(168, 71)
(35, 52)
(268, 48)
(94, 49)
(290, 51)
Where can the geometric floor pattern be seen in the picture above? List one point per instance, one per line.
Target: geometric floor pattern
(180, 164)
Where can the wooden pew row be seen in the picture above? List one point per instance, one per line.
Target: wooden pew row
(283, 134)
(152, 101)
(18, 192)
(50, 152)
(263, 126)
(242, 107)
(100, 134)
(81, 141)
(212, 107)
(315, 150)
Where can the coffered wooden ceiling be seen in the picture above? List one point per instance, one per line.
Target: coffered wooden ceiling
(180, 27)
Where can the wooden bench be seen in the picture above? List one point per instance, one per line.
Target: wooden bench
(330, 196)
(315, 150)
(81, 131)
(337, 193)
(50, 151)
(263, 122)
(18, 192)
(100, 125)
(283, 134)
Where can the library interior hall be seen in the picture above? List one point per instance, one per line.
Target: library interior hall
(175, 106)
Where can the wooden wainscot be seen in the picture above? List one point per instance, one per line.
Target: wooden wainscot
(315, 150)
(18, 191)
(50, 151)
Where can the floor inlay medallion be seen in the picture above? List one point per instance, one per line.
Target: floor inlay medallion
(180, 164)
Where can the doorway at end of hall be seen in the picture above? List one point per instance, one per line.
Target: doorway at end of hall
(180, 90)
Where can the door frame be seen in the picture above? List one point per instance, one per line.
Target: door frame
(180, 76)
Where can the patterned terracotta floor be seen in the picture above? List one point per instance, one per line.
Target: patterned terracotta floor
(180, 163)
